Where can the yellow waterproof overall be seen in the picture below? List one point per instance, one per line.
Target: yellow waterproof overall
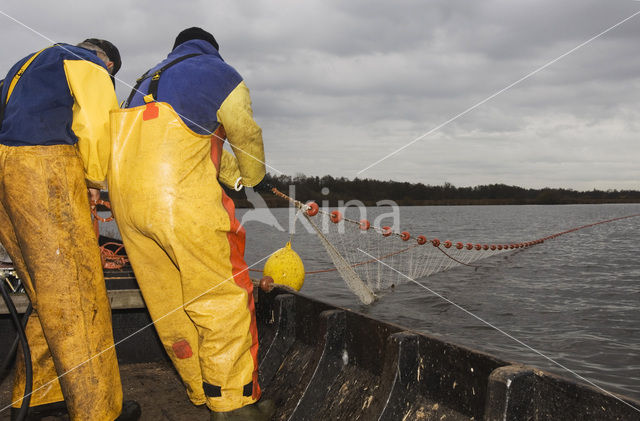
(45, 225)
(187, 251)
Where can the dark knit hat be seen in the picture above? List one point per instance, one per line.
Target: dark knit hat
(195, 33)
(109, 49)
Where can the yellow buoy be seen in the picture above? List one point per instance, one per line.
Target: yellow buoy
(285, 267)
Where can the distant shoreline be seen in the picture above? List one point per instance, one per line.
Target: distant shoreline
(278, 203)
(334, 191)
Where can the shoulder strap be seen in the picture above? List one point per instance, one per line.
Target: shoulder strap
(155, 78)
(14, 81)
(1, 103)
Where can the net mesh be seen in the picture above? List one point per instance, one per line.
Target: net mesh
(352, 279)
(381, 258)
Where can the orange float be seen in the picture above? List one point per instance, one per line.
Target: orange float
(312, 209)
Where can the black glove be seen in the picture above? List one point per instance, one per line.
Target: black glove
(263, 187)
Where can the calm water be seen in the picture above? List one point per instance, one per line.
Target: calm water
(575, 299)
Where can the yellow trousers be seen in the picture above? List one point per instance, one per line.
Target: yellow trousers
(46, 228)
(186, 248)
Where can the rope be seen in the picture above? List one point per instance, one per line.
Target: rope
(456, 260)
(111, 259)
(94, 210)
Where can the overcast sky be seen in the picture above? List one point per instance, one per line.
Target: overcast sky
(338, 85)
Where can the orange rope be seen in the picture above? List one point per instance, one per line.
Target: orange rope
(111, 259)
(94, 210)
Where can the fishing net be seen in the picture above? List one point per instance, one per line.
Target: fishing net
(382, 258)
(372, 258)
(346, 269)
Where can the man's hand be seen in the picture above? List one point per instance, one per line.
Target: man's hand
(94, 196)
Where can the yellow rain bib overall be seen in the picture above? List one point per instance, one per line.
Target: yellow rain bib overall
(187, 251)
(47, 230)
(45, 225)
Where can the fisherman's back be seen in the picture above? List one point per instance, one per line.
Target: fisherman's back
(195, 87)
(40, 106)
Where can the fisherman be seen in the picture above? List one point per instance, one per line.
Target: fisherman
(178, 226)
(54, 143)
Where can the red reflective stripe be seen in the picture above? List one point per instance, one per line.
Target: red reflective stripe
(216, 147)
(236, 238)
(182, 349)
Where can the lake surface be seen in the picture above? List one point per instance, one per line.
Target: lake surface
(575, 299)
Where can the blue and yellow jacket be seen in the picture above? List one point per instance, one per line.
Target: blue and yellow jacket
(207, 92)
(63, 97)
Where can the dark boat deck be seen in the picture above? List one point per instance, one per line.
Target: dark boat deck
(156, 386)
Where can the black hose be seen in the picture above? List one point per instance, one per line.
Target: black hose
(8, 360)
(28, 384)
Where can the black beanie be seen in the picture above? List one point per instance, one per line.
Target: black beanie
(109, 49)
(195, 33)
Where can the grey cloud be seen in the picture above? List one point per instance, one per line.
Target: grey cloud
(337, 85)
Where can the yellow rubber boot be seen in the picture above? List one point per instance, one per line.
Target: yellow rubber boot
(262, 410)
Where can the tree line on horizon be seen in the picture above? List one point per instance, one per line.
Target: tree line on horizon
(371, 191)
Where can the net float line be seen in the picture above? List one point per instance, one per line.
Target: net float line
(448, 248)
(312, 209)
